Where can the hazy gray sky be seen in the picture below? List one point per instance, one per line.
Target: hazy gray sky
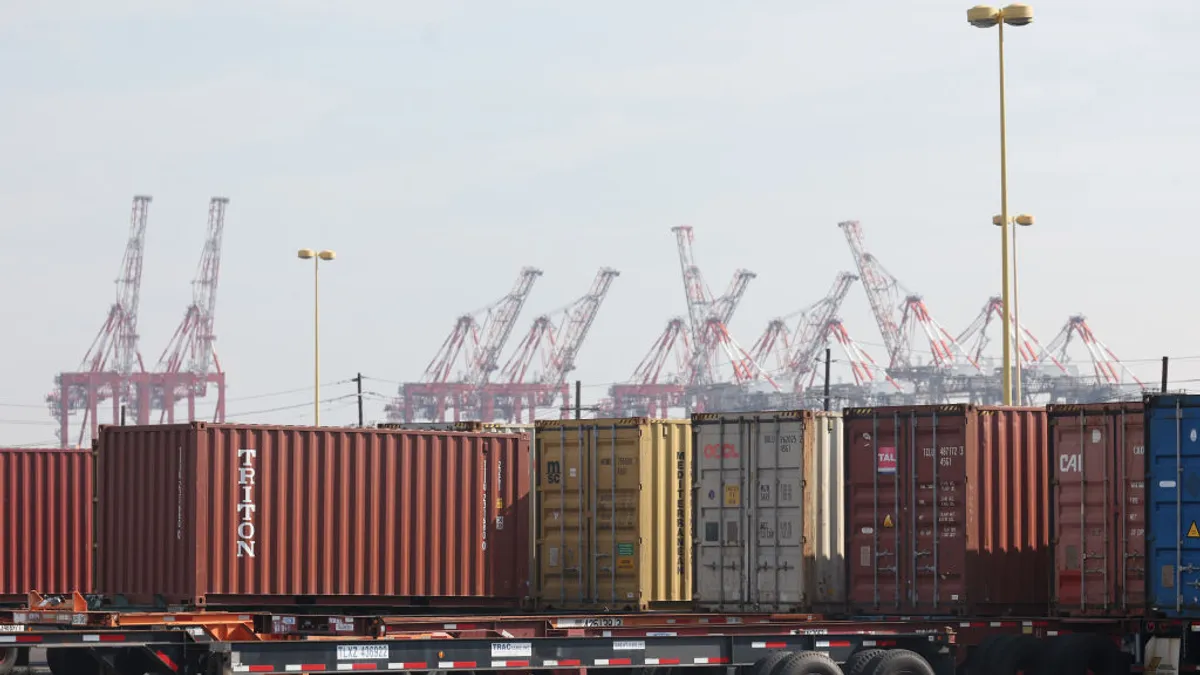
(440, 146)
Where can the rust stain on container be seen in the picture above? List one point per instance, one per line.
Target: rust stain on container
(248, 515)
(614, 514)
(947, 510)
(45, 522)
(1098, 459)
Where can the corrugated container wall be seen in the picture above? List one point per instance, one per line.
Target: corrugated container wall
(1173, 504)
(1098, 508)
(947, 510)
(614, 526)
(45, 522)
(769, 511)
(247, 515)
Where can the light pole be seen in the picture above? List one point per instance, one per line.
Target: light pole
(982, 16)
(317, 257)
(1024, 220)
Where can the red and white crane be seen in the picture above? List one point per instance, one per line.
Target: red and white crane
(709, 317)
(190, 363)
(887, 298)
(112, 369)
(1107, 369)
(536, 374)
(657, 383)
(975, 337)
(465, 361)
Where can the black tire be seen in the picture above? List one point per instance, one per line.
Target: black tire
(8, 659)
(902, 662)
(1078, 653)
(983, 656)
(766, 664)
(862, 662)
(1016, 654)
(808, 663)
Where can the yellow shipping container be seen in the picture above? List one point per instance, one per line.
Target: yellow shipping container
(614, 514)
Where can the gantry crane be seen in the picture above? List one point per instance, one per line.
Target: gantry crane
(189, 364)
(465, 362)
(655, 386)
(1109, 379)
(887, 297)
(523, 388)
(112, 369)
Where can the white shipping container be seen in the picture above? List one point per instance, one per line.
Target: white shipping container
(769, 511)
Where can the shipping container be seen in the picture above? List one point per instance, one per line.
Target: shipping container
(769, 511)
(261, 516)
(614, 514)
(1173, 504)
(1098, 504)
(45, 522)
(947, 510)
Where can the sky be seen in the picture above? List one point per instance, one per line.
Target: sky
(438, 147)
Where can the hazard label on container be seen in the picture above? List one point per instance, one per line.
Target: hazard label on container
(1193, 532)
(885, 460)
(733, 495)
(887, 521)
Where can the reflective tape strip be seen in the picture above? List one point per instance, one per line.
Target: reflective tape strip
(304, 667)
(661, 662)
(835, 643)
(456, 664)
(614, 662)
(768, 645)
(561, 663)
(18, 638)
(709, 660)
(510, 664)
(407, 665)
(253, 669)
(358, 666)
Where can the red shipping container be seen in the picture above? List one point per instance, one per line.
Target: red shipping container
(45, 522)
(946, 511)
(1098, 455)
(258, 516)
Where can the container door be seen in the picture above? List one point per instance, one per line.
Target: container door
(724, 449)
(874, 507)
(616, 566)
(1131, 507)
(564, 516)
(935, 558)
(776, 521)
(1175, 505)
(1085, 459)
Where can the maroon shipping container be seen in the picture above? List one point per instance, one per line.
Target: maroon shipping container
(946, 510)
(259, 516)
(1098, 511)
(45, 522)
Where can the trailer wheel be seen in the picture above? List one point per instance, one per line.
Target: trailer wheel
(808, 663)
(1016, 654)
(767, 664)
(8, 660)
(902, 662)
(863, 661)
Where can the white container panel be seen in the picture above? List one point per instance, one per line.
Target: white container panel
(768, 511)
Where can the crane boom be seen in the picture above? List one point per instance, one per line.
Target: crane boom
(502, 317)
(813, 332)
(576, 326)
(883, 293)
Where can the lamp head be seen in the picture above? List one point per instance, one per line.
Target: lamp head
(1024, 220)
(1017, 14)
(305, 253)
(983, 16)
(326, 255)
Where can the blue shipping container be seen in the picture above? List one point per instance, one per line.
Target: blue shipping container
(1173, 508)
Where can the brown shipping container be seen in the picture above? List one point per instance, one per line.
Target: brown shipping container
(45, 522)
(614, 507)
(947, 510)
(254, 516)
(1098, 497)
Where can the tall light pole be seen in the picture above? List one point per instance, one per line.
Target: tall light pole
(317, 257)
(1023, 220)
(982, 16)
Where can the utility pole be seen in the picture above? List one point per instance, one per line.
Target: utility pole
(578, 407)
(358, 380)
(827, 358)
(1164, 375)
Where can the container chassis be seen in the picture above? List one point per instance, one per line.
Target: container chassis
(82, 642)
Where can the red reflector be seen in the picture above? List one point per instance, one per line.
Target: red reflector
(112, 637)
(569, 662)
(668, 662)
(516, 664)
(261, 669)
(776, 645)
(364, 666)
(311, 667)
(167, 661)
(29, 638)
(620, 662)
